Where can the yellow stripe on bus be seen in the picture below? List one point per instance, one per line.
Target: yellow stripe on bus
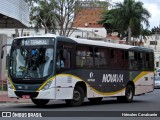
(141, 75)
(11, 83)
(52, 78)
(101, 93)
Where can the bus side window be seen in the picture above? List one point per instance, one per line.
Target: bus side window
(141, 60)
(59, 61)
(102, 58)
(131, 60)
(117, 60)
(63, 59)
(84, 56)
(126, 56)
(67, 58)
(151, 59)
(147, 61)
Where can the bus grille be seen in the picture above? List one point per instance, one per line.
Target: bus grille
(31, 94)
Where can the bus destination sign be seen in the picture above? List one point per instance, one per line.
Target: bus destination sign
(35, 42)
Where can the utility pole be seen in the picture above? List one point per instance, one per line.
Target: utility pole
(155, 40)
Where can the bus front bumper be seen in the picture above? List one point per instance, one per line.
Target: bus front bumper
(42, 94)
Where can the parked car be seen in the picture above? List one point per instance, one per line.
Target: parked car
(157, 82)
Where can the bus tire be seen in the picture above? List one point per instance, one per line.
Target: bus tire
(40, 102)
(129, 93)
(95, 100)
(78, 97)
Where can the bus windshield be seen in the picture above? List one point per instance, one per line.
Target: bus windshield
(31, 61)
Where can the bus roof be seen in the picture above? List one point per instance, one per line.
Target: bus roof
(91, 42)
(104, 44)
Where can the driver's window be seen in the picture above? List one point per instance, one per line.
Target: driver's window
(48, 66)
(63, 59)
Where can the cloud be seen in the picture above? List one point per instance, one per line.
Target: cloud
(154, 10)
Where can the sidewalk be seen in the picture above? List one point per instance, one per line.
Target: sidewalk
(5, 99)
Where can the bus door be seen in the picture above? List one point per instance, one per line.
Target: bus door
(64, 87)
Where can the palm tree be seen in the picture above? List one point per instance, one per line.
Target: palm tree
(127, 17)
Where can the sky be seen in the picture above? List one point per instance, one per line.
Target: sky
(153, 6)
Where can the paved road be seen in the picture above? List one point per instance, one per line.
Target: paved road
(147, 102)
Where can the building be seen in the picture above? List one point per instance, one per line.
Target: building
(13, 14)
(154, 43)
(87, 17)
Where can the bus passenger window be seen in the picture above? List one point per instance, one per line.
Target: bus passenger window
(63, 59)
(84, 56)
(67, 58)
(151, 61)
(147, 61)
(102, 58)
(141, 60)
(117, 59)
(59, 62)
(126, 65)
(133, 62)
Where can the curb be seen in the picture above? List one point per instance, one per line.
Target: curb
(15, 102)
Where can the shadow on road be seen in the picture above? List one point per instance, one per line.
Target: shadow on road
(53, 105)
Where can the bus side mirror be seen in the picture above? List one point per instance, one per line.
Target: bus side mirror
(2, 54)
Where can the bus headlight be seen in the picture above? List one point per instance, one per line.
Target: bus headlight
(47, 85)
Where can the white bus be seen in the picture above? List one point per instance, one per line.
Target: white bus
(51, 67)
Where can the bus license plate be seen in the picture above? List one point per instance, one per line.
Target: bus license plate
(25, 96)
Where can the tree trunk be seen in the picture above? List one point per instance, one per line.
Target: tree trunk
(129, 35)
(46, 30)
(16, 33)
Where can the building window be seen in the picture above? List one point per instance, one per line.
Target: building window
(153, 42)
(26, 34)
(77, 36)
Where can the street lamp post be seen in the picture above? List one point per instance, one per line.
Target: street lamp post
(155, 40)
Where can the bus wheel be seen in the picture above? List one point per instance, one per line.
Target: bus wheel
(78, 97)
(128, 95)
(95, 100)
(40, 102)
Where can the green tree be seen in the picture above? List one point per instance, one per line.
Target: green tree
(155, 30)
(41, 15)
(127, 17)
(53, 15)
(58, 15)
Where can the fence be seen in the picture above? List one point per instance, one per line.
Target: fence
(3, 85)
